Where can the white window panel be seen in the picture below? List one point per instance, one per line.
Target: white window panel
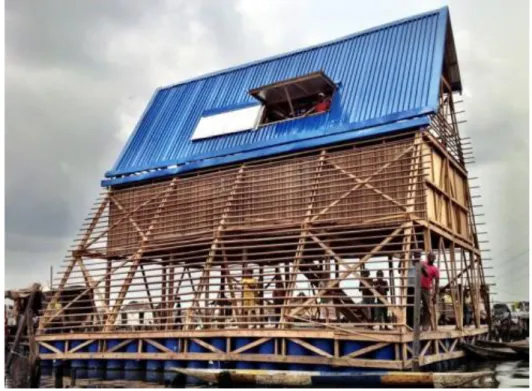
(227, 122)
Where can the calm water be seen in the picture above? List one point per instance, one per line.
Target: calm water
(514, 374)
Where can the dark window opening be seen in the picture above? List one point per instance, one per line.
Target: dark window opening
(295, 98)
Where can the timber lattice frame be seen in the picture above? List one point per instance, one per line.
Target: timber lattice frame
(171, 256)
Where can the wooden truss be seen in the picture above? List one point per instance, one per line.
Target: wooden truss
(276, 250)
(173, 255)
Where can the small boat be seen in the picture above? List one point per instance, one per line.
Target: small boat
(490, 344)
(251, 378)
(491, 353)
(520, 347)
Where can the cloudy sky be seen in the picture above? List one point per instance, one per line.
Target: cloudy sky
(79, 74)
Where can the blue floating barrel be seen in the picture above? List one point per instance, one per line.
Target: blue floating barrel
(194, 347)
(133, 375)
(114, 374)
(155, 377)
(95, 363)
(347, 347)
(447, 343)
(327, 345)
(267, 347)
(133, 365)
(96, 373)
(114, 364)
(152, 365)
(45, 363)
(173, 345)
(169, 377)
(61, 346)
(385, 353)
(82, 373)
(238, 343)
(294, 349)
(219, 343)
(78, 363)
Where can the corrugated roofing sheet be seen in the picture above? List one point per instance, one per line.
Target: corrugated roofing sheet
(385, 74)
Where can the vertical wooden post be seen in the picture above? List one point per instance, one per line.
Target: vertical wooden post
(163, 303)
(391, 278)
(214, 248)
(25, 321)
(261, 300)
(170, 317)
(417, 319)
(107, 293)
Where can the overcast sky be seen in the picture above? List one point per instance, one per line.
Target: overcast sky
(79, 74)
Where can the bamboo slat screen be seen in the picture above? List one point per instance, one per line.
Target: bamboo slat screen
(273, 193)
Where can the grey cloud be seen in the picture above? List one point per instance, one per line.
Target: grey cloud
(68, 75)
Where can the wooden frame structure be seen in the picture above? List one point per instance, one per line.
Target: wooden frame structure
(301, 228)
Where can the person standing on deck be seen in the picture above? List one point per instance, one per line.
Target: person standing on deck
(278, 296)
(411, 288)
(468, 309)
(177, 312)
(381, 286)
(429, 273)
(249, 285)
(367, 296)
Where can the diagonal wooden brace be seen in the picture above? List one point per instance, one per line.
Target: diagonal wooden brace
(360, 184)
(335, 282)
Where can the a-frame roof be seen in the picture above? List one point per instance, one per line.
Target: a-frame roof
(388, 79)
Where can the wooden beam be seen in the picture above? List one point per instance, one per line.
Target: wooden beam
(90, 282)
(137, 257)
(158, 345)
(80, 346)
(81, 246)
(146, 285)
(351, 270)
(207, 346)
(360, 184)
(374, 189)
(131, 220)
(50, 347)
(292, 112)
(119, 346)
(315, 360)
(367, 349)
(250, 345)
(214, 246)
(310, 347)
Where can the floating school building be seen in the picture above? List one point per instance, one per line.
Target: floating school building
(237, 227)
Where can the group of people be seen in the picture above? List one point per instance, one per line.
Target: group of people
(377, 312)
(373, 309)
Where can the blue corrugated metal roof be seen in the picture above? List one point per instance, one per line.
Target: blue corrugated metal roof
(385, 74)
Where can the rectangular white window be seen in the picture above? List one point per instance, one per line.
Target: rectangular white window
(227, 122)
